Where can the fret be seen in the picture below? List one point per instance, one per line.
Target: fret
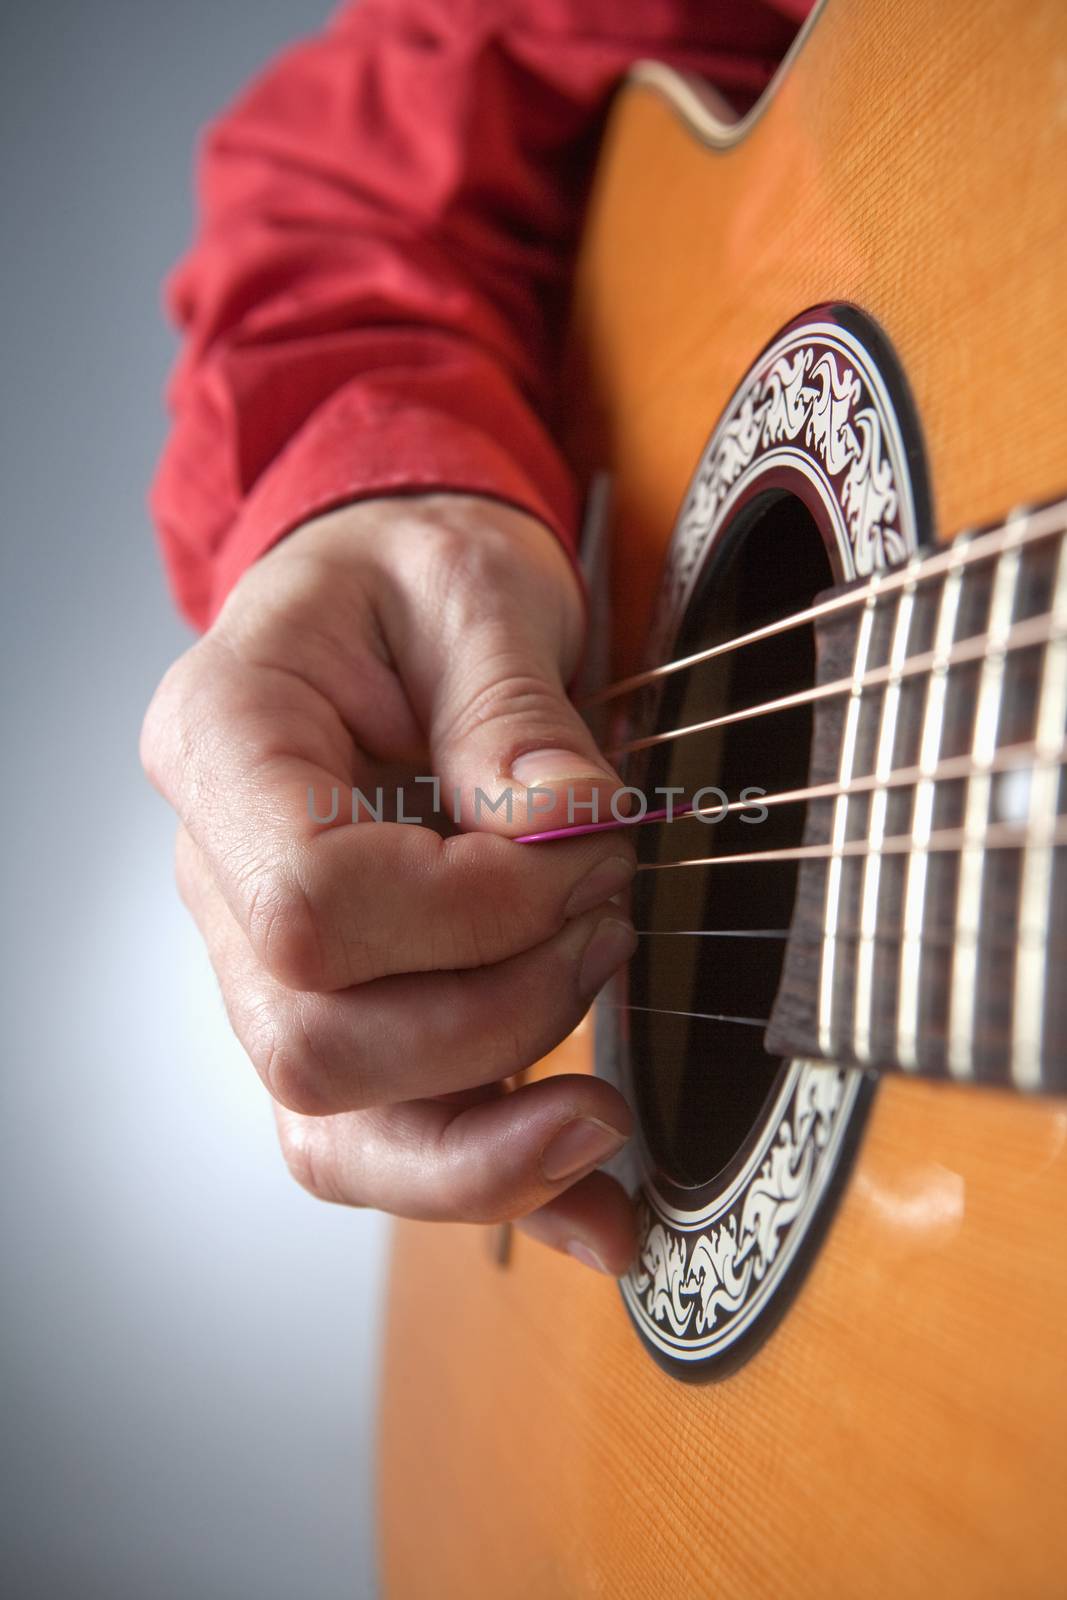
(962, 991)
(863, 1004)
(1035, 898)
(839, 829)
(916, 868)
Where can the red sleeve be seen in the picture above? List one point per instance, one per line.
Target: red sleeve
(388, 218)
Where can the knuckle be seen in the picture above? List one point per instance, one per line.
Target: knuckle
(285, 931)
(518, 1025)
(473, 1186)
(498, 905)
(292, 1050)
(477, 1192)
(160, 724)
(480, 931)
(173, 730)
(310, 1159)
(452, 561)
(487, 935)
(511, 1048)
(504, 691)
(293, 1064)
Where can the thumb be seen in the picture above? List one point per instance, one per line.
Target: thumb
(515, 757)
(511, 751)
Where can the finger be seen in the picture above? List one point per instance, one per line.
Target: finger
(488, 681)
(327, 907)
(594, 1222)
(517, 1154)
(401, 1038)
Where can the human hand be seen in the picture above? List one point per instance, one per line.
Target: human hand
(385, 980)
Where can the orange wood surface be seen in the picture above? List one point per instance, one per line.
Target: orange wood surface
(903, 1432)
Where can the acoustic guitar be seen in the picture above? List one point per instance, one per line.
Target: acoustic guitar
(818, 361)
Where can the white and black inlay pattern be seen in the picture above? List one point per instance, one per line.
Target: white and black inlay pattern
(815, 403)
(823, 413)
(701, 1279)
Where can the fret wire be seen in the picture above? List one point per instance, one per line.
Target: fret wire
(916, 864)
(998, 836)
(1046, 523)
(835, 871)
(1036, 878)
(1021, 636)
(959, 1028)
(863, 1003)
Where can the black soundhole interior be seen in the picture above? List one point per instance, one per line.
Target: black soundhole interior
(700, 1085)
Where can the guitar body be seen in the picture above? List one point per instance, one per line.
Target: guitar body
(901, 1431)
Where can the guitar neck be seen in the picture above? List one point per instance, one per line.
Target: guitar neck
(931, 913)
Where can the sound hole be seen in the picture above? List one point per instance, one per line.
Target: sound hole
(700, 1086)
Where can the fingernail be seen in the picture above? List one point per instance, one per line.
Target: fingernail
(606, 879)
(578, 1147)
(613, 943)
(558, 766)
(589, 1258)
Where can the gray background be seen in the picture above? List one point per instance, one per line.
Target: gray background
(188, 1341)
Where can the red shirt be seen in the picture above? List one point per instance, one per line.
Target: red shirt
(388, 219)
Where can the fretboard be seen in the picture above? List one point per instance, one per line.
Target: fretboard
(930, 928)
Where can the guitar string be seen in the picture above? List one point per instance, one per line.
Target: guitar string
(996, 836)
(1026, 756)
(942, 941)
(1021, 531)
(704, 1016)
(763, 1022)
(1031, 632)
(712, 933)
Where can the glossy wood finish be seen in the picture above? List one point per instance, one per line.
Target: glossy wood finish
(902, 1433)
(911, 161)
